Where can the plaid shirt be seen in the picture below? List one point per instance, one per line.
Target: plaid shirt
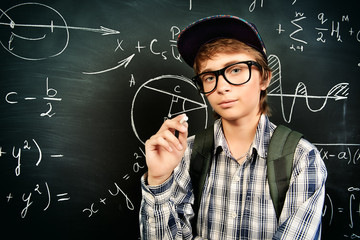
(236, 202)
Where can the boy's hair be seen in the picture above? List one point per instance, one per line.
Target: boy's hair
(224, 45)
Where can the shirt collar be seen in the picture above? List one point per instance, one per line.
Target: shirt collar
(261, 141)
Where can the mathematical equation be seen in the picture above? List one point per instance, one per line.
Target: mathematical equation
(42, 190)
(17, 153)
(136, 167)
(140, 47)
(349, 154)
(351, 212)
(49, 97)
(326, 28)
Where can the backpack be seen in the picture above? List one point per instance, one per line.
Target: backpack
(279, 164)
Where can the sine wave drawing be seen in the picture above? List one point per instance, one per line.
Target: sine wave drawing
(338, 92)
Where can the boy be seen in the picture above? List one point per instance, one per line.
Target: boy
(229, 58)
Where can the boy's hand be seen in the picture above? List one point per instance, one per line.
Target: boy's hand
(164, 150)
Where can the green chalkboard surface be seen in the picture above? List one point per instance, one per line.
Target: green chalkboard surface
(83, 84)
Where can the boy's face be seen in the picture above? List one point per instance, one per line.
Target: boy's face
(233, 102)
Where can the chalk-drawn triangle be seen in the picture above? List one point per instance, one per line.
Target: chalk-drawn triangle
(187, 104)
(182, 105)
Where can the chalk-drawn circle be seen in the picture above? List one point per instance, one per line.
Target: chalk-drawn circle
(33, 31)
(166, 97)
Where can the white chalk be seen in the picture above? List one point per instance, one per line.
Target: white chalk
(184, 119)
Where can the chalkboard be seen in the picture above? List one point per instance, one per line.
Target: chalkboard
(83, 84)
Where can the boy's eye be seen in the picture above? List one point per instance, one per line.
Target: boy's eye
(234, 70)
(208, 78)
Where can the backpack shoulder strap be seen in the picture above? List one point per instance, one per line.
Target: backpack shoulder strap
(200, 163)
(279, 163)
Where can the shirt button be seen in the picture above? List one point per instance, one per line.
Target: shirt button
(237, 179)
(233, 214)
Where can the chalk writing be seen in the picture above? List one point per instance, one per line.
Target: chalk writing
(119, 45)
(175, 31)
(299, 16)
(334, 28)
(351, 211)
(17, 153)
(115, 193)
(129, 204)
(12, 98)
(253, 5)
(136, 167)
(91, 210)
(43, 190)
(132, 80)
(279, 29)
(327, 28)
(348, 154)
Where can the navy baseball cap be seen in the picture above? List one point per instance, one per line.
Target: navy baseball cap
(215, 27)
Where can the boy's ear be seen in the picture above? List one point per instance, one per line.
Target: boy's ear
(265, 84)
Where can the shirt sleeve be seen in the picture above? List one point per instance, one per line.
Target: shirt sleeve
(166, 210)
(302, 212)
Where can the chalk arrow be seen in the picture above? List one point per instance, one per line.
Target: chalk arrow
(125, 62)
(108, 31)
(102, 30)
(336, 98)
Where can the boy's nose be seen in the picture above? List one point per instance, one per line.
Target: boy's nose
(222, 85)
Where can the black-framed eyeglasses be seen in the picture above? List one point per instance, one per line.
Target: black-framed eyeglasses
(236, 74)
